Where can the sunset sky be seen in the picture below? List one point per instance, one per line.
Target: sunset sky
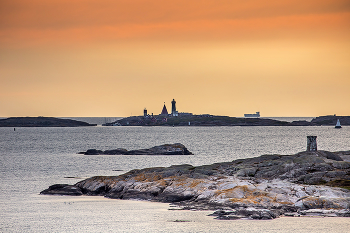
(223, 57)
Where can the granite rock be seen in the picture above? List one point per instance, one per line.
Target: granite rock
(263, 187)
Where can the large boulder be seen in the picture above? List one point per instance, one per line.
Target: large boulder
(93, 152)
(63, 189)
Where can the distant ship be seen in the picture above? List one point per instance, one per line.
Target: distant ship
(338, 126)
(257, 114)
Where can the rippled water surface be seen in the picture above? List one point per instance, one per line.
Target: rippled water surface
(31, 159)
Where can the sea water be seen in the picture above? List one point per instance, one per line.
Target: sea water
(32, 159)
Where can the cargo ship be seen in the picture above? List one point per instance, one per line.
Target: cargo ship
(257, 114)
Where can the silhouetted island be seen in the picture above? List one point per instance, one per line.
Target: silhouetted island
(331, 120)
(176, 118)
(41, 122)
(211, 120)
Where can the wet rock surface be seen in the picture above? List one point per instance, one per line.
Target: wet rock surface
(166, 149)
(265, 187)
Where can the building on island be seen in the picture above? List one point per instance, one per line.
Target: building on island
(173, 108)
(164, 111)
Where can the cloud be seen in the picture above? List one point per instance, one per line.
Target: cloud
(66, 22)
(81, 57)
(81, 13)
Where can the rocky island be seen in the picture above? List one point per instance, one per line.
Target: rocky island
(41, 122)
(176, 118)
(265, 187)
(166, 149)
(211, 120)
(331, 120)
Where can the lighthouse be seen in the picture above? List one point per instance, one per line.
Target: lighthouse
(173, 108)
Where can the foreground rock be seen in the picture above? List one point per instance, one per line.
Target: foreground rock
(166, 149)
(41, 122)
(63, 189)
(265, 187)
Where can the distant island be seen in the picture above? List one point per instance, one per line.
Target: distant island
(211, 120)
(176, 118)
(41, 122)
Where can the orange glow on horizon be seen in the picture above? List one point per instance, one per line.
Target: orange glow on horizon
(224, 57)
(237, 29)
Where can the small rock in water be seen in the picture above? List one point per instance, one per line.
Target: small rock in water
(63, 189)
(166, 149)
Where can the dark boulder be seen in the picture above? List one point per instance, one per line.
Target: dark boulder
(93, 152)
(62, 189)
(119, 151)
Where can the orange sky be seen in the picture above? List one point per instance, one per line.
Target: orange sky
(223, 57)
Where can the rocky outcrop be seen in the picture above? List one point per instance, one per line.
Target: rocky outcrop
(62, 189)
(41, 122)
(331, 120)
(166, 149)
(265, 187)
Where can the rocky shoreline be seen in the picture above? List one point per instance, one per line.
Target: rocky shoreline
(308, 183)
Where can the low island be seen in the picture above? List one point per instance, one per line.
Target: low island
(315, 183)
(166, 149)
(41, 122)
(212, 120)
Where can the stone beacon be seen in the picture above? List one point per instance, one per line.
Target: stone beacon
(173, 108)
(311, 143)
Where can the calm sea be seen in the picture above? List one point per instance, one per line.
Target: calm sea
(31, 159)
